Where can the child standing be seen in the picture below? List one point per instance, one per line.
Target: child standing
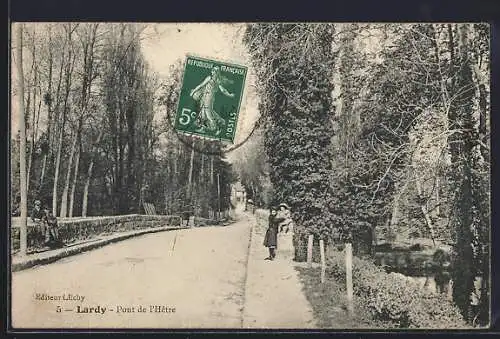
(271, 237)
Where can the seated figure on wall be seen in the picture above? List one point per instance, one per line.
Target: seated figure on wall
(52, 238)
(36, 234)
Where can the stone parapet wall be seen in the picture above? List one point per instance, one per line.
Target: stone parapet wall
(73, 230)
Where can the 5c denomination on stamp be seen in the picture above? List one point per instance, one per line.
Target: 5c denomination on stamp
(210, 98)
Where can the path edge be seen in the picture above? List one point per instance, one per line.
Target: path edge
(249, 249)
(31, 262)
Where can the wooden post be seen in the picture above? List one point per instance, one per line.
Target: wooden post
(22, 141)
(323, 265)
(348, 271)
(309, 250)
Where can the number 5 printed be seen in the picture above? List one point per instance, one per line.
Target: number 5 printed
(185, 118)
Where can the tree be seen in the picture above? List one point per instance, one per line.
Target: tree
(69, 67)
(22, 145)
(128, 101)
(252, 167)
(470, 213)
(294, 63)
(199, 178)
(390, 142)
(89, 174)
(87, 35)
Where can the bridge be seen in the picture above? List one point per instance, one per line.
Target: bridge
(189, 277)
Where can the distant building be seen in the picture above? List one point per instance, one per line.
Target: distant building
(238, 193)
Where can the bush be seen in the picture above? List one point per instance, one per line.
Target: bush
(393, 297)
(300, 243)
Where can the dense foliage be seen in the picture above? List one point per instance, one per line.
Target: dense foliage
(394, 297)
(294, 64)
(470, 216)
(401, 151)
(375, 158)
(98, 139)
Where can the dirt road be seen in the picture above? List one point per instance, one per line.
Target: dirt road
(210, 277)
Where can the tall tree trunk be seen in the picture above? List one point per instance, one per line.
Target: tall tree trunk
(166, 189)
(165, 195)
(445, 103)
(464, 214)
(69, 70)
(348, 117)
(119, 192)
(75, 177)
(211, 210)
(453, 139)
(423, 208)
(30, 155)
(202, 184)
(393, 222)
(190, 173)
(211, 170)
(202, 163)
(30, 84)
(42, 175)
(22, 143)
(176, 161)
(131, 175)
(437, 52)
(483, 113)
(48, 98)
(121, 167)
(438, 197)
(27, 108)
(175, 178)
(30, 125)
(56, 173)
(88, 54)
(89, 175)
(36, 118)
(57, 113)
(483, 130)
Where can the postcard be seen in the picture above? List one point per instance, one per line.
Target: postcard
(241, 176)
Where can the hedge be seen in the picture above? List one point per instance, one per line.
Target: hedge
(393, 297)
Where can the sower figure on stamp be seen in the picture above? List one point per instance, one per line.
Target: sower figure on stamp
(271, 237)
(204, 93)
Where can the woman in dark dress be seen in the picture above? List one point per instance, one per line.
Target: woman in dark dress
(271, 237)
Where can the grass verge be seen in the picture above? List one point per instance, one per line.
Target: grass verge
(328, 301)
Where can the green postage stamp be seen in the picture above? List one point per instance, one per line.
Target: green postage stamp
(210, 98)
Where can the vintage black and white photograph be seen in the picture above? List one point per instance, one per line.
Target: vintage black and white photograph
(265, 175)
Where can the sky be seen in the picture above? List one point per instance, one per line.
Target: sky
(164, 44)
